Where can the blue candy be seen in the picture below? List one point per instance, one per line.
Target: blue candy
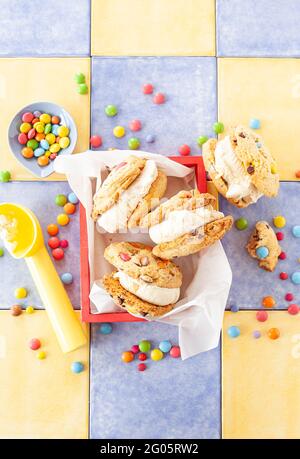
(254, 123)
(73, 198)
(66, 278)
(150, 138)
(233, 331)
(262, 252)
(234, 308)
(296, 277)
(44, 144)
(296, 231)
(39, 152)
(55, 129)
(105, 329)
(77, 367)
(165, 346)
(256, 334)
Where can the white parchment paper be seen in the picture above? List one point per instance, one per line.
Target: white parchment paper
(206, 275)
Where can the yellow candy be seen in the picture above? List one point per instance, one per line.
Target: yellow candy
(119, 131)
(64, 142)
(47, 153)
(41, 355)
(63, 131)
(20, 292)
(273, 169)
(25, 127)
(156, 354)
(30, 309)
(279, 221)
(50, 138)
(45, 118)
(54, 148)
(39, 127)
(63, 219)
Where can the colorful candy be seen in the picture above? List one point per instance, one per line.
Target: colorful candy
(43, 161)
(77, 367)
(254, 123)
(70, 208)
(79, 78)
(268, 302)
(133, 143)
(34, 344)
(20, 292)
(142, 366)
(156, 354)
(159, 98)
(148, 88)
(52, 229)
(127, 356)
(60, 200)
(283, 275)
(66, 278)
(54, 242)
(142, 356)
(279, 221)
(95, 141)
(119, 132)
(282, 255)
(241, 224)
(64, 244)
(73, 198)
(22, 138)
(218, 127)
(262, 252)
(135, 349)
(273, 333)
(16, 310)
(261, 316)
(233, 331)
(234, 308)
(105, 329)
(135, 125)
(58, 254)
(165, 346)
(293, 309)
(41, 355)
(201, 140)
(82, 89)
(296, 231)
(150, 138)
(175, 352)
(296, 277)
(63, 219)
(256, 334)
(1, 251)
(27, 117)
(5, 176)
(111, 110)
(144, 345)
(297, 174)
(27, 152)
(184, 150)
(289, 297)
(29, 310)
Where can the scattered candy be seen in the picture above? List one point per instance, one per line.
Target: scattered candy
(70, 208)
(159, 98)
(34, 344)
(150, 138)
(234, 308)
(73, 198)
(127, 356)
(296, 231)
(256, 334)
(201, 140)
(111, 110)
(77, 367)
(241, 224)
(119, 132)
(273, 333)
(142, 366)
(268, 302)
(66, 278)
(283, 276)
(254, 123)
(58, 254)
(133, 143)
(184, 150)
(135, 349)
(105, 329)
(282, 256)
(165, 346)
(16, 310)
(54, 242)
(218, 127)
(63, 219)
(27, 117)
(262, 252)
(96, 141)
(135, 125)
(175, 352)
(293, 309)
(233, 331)
(64, 244)
(20, 292)
(22, 138)
(144, 346)
(1, 252)
(297, 174)
(156, 354)
(279, 221)
(29, 310)
(79, 78)
(52, 229)
(41, 355)
(296, 277)
(148, 88)
(82, 89)
(289, 297)
(5, 176)
(274, 169)
(60, 200)
(261, 316)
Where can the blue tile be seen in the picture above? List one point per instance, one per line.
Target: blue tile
(258, 28)
(189, 111)
(39, 197)
(52, 28)
(250, 283)
(171, 399)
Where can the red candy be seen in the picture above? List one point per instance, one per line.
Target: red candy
(31, 134)
(289, 297)
(34, 344)
(175, 352)
(279, 236)
(96, 141)
(22, 138)
(283, 276)
(64, 243)
(148, 88)
(184, 150)
(142, 356)
(135, 125)
(293, 309)
(54, 242)
(27, 117)
(135, 349)
(159, 98)
(124, 256)
(282, 256)
(53, 155)
(261, 316)
(142, 367)
(58, 254)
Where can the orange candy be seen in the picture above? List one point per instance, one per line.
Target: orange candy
(27, 152)
(69, 208)
(57, 139)
(43, 161)
(297, 174)
(55, 120)
(273, 333)
(268, 302)
(40, 136)
(35, 120)
(52, 229)
(127, 356)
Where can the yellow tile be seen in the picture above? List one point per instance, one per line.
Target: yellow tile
(267, 89)
(40, 398)
(261, 397)
(23, 81)
(153, 27)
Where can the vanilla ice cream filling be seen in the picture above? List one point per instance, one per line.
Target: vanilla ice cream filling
(229, 166)
(117, 216)
(151, 293)
(180, 222)
(8, 232)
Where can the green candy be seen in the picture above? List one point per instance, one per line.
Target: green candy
(111, 110)
(133, 143)
(144, 345)
(48, 128)
(5, 176)
(32, 143)
(218, 127)
(79, 78)
(82, 88)
(241, 224)
(1, 252)
(201, 140)
(60, 200)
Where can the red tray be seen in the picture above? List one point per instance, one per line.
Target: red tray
(190, 161)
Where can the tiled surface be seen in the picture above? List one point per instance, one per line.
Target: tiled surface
(23, 81)
(153, 27)
(264, 28)
(261, 378)
(39, 197)
(40, 398)
(251, 283)
(171, 399)
(52, 28)
(267, 89)
(189, 111)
